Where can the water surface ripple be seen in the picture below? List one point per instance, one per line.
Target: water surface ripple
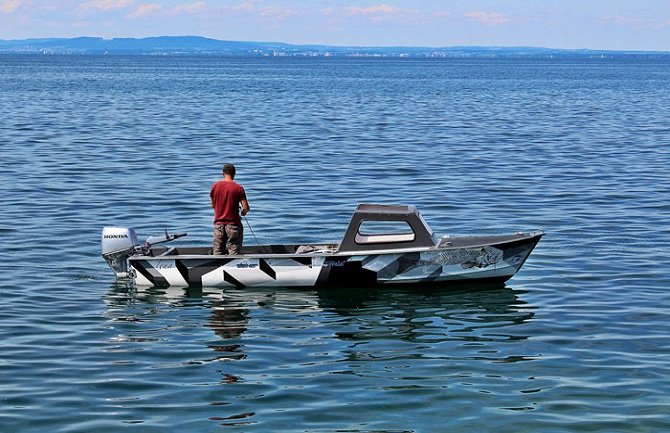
(579, 340)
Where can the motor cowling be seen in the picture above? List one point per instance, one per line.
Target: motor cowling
(118, 243)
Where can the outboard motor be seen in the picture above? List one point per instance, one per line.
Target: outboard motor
(118, 243)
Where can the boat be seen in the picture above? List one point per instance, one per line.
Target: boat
(382, 245)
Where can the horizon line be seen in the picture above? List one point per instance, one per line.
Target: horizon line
(435, 47)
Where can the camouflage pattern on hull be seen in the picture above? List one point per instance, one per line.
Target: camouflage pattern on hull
(491, 262)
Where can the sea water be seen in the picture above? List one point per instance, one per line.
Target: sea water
(579, 340)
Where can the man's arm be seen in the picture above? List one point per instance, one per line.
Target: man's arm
(245, 207)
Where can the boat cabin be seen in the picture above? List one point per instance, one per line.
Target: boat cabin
(381, 227)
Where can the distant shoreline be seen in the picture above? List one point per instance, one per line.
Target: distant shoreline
(190, 45)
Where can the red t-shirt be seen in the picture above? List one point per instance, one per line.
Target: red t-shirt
(226, 197)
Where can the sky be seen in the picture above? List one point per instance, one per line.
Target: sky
(573, 24)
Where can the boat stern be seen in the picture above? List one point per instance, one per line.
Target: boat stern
(118, 244)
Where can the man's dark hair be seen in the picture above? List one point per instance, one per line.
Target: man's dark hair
(229, 169)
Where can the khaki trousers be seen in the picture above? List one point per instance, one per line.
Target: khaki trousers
(230, 235)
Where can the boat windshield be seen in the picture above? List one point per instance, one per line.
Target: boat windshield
(370, 232)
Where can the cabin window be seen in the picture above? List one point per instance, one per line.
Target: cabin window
(378, 232)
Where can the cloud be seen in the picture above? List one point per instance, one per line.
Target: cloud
(145, 10)
(105, 5)
(441, 14)
(256, 8)
(245, 6)
(154, 9)
(9, 6)
(382, 12)
(190, 8)
(278, 13)
(375, 11)
(488, 18)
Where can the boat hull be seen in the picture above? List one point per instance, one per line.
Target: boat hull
(452, 261)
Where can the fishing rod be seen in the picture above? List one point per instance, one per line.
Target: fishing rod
(252, 230)
(254, 234)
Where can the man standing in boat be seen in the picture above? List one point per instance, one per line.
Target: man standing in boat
(226, 197)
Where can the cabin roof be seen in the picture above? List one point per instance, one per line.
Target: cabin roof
(384, 209)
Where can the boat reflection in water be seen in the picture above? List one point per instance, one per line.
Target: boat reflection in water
(408, 314)
(285, 348)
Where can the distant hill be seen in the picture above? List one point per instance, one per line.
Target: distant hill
(155, 45)
(176, 45)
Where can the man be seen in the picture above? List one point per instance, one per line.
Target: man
(226, 197)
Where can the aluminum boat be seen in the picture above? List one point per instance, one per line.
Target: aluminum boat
(383, 244)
